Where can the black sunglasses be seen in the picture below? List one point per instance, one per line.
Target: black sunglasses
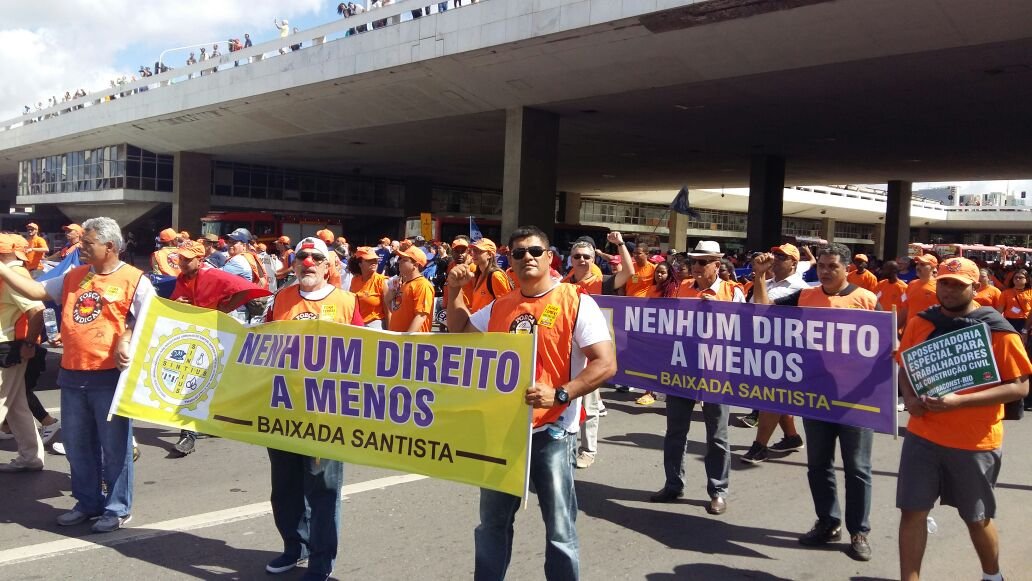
(316, 258)
(521, 253)
(701, 261)
(582, 257)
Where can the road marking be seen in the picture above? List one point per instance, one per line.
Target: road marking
(168, 527)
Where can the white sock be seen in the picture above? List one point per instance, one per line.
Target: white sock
(998, 576)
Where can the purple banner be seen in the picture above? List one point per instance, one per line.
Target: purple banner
(825, 364)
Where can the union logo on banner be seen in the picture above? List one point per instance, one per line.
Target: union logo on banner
(183, 367)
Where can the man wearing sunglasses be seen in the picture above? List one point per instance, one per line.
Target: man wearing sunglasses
(705, 263)
(575, 356)
(412, 303)
(305, 490)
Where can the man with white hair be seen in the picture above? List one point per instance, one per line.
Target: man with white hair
(99, 302)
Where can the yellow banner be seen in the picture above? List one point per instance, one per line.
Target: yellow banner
(445, 405)
(426, 225)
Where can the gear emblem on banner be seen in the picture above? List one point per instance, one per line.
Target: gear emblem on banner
(183, 368)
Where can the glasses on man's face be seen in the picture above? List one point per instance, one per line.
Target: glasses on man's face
(521, 253)
(780, 256)
(582, 257)
(316, 258)
(701, 262)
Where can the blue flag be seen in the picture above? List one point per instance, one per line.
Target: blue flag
(474, 231)
(680, 204)
(59, 270)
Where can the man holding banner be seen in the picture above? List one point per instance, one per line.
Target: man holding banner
(574, 356)
(705, 262)
(953, 448)
(99, 302)
(305, 490)
(835, 291)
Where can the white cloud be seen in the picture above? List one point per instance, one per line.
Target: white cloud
(49, 47)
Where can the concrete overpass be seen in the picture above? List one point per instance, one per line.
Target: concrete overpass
(596, 96)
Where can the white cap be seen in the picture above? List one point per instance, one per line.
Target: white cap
(313, 244)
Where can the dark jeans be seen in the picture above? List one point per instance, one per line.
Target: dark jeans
(855, 444)
(675, 442)
(37, 365)
(551, 473)
(306, 506)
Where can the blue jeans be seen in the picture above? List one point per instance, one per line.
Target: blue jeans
(855, 444)
(306, 506)
(675, 442)
(551, 473)
(97, 449)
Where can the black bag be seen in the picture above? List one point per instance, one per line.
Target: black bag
(10, 353)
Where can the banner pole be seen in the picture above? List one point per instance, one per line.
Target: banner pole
(530, 426)
(895, 375)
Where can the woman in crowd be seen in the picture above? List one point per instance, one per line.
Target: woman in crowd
(489, 281)
(664, 285)
(369, 287)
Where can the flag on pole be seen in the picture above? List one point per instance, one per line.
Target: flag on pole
(474, 231)
(58, 270)
(680, 204)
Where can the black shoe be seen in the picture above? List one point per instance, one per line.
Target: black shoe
(859, 548)
(666, 495)
(749, 420)
(284, 563)
(185, 445)
(756, 454)
(821, 534)
(788, 444)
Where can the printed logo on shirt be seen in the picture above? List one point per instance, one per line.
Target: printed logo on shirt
(86, 308)
(523, 324)
(172, 258)
(305, 317)
(548, 316)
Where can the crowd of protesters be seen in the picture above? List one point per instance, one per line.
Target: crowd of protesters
(951, 452)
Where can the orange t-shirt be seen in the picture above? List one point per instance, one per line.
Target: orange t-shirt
(990, 296)
(867, 280)
(370, 295)
(479, 296)
(35, 261)
(973, 428)
(414, 297)
(640, 282)
(919, 296)
(1016, 304)
(859, 298)
(725, 291)
(890, 294)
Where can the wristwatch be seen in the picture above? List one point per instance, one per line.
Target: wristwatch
(561, 396)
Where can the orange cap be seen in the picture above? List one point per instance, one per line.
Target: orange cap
(72, 228)
(927, 259)
(13, 244)
(414, 253)
(191, 249)
(860, 258)
(385, 240)
(32, 225)
(486, 245)
(261, 247)
(962, 269)
(788, 250)
(366, 253)
(284, 240)
(460, 243)
(167, 235)
(326, 235)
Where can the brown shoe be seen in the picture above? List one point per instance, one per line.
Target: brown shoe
(717, 505)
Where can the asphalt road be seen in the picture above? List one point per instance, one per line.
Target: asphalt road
(206, 517)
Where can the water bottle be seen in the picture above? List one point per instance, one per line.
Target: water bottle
(50, 322)
(932, 527)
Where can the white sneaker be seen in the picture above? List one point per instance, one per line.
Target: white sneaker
(47, 433)
(585, 460)
(58, 448)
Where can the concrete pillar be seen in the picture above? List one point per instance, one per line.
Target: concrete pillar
(828, 229)
(678, 224)
(530, 174)
(569, 207)
(766, 195)
(879, 239)
(191, 191)
(897, 220)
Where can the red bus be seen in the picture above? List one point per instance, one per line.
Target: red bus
(445, 228)
(266, 226)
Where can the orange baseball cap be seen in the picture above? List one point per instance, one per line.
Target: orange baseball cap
(385, 240)
(961, 269)
(191, 249)
(72, 228)
(13, 244)
(787, 250)
(366, 253)
(486, 245)
(326, 235)
(860, 258)
(414, 253)
(284, 240)
(460, 243)
(32, 225)
(261, 247)
(927, 259)
(167, 235)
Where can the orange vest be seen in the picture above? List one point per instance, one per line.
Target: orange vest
(166, 261)
(554, 315)
(258, 275)
(860, 298)
(338, 306)
(725, 292)
(94, 308)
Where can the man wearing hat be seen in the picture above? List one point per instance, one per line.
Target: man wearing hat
(952, 451)
(21, 320)
(920, 293)
(489, 282)
(306, 491)
(73, 234)
(412, 303)
(38, 248)
(213, 255)
(786, 281)
(242, 261)
(285, 253)
(165, 260)
(862, 277)
(704, 262)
